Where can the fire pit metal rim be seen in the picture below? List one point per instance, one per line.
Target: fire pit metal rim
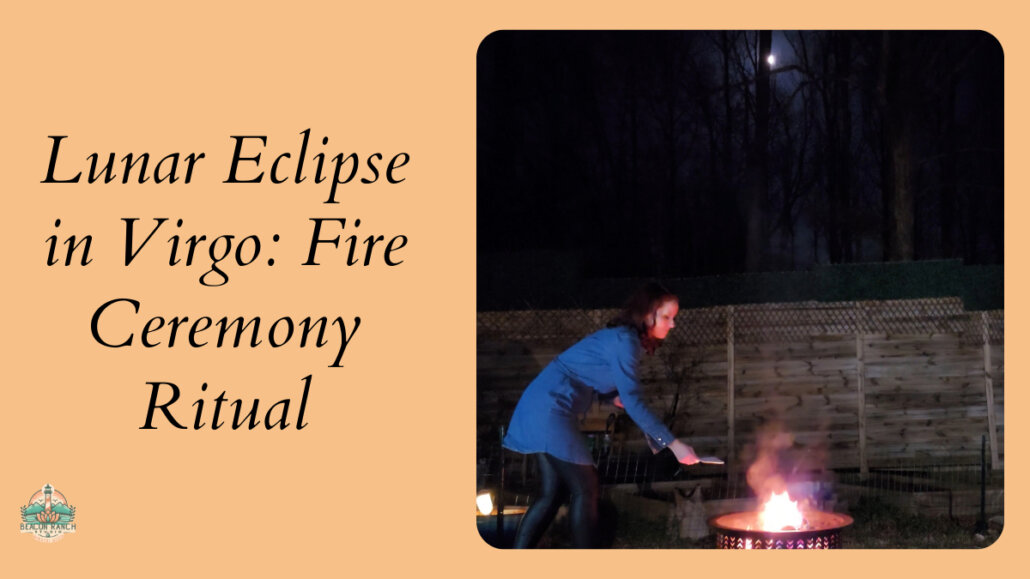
(732, 532)
(819, 520)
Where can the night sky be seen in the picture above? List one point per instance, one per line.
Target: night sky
(682, 154)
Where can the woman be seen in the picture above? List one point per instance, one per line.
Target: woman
(545, 419)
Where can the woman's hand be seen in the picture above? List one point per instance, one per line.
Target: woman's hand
(618, 403)
(683, 451)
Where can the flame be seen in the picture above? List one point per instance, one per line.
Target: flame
(781, 514)
(484, 503)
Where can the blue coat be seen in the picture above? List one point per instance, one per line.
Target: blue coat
(545, 418)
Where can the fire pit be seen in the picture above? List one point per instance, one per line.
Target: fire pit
(739, 531)
(780, 525)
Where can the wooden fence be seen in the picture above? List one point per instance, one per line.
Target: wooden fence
(853, 384)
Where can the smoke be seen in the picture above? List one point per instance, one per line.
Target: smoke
(765, 475)
(785, 464)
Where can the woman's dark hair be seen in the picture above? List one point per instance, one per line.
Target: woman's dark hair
(638, 312)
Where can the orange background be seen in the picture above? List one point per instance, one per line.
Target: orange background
(382, 479)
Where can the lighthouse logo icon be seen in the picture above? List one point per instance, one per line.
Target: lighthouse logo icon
(48, 516)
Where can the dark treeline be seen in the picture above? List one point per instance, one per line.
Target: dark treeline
(686, 153)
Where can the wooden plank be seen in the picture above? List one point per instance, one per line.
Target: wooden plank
(942, 438)
(927, 357)
(786, 405)
(931, 384)
(830, 422)
(863, 461)
(974, 426)
(908, 402)
(919, 370)
(928, 415)
(934, 342)
(820, 386)
(756, 374)
(730, 401)
(816, 348)
(954, 451)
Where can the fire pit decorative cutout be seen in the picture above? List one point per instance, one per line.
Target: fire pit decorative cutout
(819, 530)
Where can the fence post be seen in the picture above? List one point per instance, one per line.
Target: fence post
(989, 390)
(981, 523)
(730, 412)
(863, 461)
(500, 493)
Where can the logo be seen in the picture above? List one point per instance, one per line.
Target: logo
(48, 516)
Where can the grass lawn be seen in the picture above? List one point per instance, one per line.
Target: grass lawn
(878, 526)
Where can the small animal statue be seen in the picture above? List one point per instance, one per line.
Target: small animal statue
(688, 519)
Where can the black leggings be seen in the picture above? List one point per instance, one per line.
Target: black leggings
(559, 479)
